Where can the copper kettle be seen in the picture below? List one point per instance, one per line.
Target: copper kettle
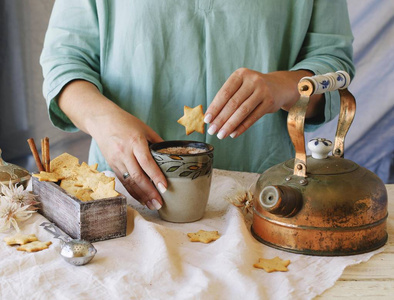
(320, 204)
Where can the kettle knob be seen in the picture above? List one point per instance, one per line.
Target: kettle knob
(320, 147)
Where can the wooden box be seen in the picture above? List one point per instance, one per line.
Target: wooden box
(95, 220)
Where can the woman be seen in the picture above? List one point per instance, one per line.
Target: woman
(122, 71)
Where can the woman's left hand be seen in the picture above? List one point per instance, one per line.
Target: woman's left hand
(248, 95)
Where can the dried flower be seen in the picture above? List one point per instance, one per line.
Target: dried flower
(16, 205)
(17, 194)
(242, 197)
(11, 213)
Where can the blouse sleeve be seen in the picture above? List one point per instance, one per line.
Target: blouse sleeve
(328, 48)
(71, 51)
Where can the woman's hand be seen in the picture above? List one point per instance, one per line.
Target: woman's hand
(122, 138)
(248, 95)
(124, 142)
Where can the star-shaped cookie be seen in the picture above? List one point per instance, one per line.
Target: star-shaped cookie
(20, 239)
(105, 190)
(272, 265)
(34, 246)
(193, 119)
(203, 236)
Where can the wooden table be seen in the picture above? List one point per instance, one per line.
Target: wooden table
(373, 279)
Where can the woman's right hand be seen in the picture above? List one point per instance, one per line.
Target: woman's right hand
(124, 141)
(122, 138)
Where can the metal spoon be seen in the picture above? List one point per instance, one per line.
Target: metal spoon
(74, 251)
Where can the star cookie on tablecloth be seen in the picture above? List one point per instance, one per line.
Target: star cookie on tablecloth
(272, 265)
(193, 119)
(203, 236)
(20, 239)
(34, 246)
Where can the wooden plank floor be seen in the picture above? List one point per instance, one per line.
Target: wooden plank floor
(373, 279)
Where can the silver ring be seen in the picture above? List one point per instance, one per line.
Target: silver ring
(126, 175)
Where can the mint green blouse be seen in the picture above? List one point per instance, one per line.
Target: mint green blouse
(152, 57)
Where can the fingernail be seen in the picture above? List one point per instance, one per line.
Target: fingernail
(233, 135)
(208, 118)
(221, 134)
(150, 205)
(161, 187)
(156, 204)
(212, 129)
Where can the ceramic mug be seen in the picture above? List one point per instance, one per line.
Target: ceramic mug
(187, 166)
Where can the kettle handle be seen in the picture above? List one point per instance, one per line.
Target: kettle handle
(295, 121)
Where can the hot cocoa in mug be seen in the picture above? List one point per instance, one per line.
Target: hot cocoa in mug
(187, 166)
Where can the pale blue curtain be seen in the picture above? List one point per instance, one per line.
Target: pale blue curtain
(370, 141)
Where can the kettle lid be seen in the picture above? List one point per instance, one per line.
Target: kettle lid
(319, 163)
(330, 166)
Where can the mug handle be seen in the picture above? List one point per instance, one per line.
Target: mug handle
(320, 84)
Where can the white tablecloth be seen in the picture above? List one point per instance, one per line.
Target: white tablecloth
(156, 260)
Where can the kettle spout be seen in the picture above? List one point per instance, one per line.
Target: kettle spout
(281, 200)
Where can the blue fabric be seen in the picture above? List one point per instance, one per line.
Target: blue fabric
(376, 156)
(370, 139)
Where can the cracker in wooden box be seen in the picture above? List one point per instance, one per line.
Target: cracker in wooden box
(72, 206)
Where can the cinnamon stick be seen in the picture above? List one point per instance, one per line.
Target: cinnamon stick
(36, 156)
(43, 153)
(47, 155)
